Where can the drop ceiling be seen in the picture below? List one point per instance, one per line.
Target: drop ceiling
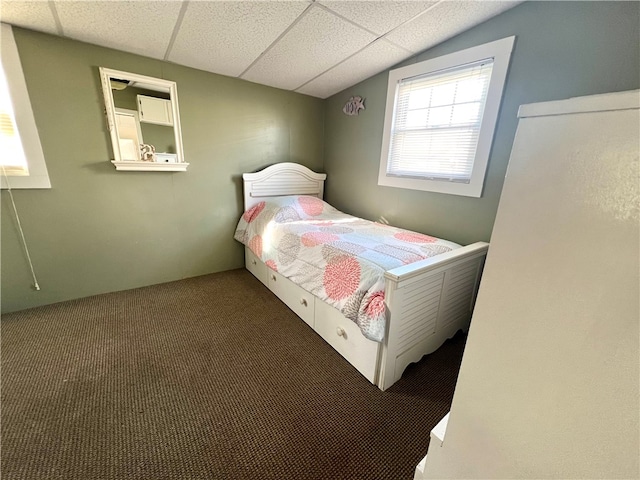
(317, 48)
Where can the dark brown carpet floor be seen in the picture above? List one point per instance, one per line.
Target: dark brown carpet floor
(205, 378)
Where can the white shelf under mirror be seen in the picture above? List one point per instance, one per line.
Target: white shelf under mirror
(150, 166)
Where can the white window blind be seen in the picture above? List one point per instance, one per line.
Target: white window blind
(436, 123)
(12, 158)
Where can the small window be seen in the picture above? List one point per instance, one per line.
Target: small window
(440, 120)
(13, 160)
(22, 162)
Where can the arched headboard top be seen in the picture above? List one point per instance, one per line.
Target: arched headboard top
(281, 179)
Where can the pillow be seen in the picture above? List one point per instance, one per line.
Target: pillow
(283, 209)
(292, 208)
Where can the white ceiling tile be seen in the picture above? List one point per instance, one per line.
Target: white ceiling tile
(314, 46)
(370, 61)
(140, 27)
(445, 20)
(317, 42)
(32, 15)
(226, 37)
(378, 16)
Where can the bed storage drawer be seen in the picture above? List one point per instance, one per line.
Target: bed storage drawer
(345, 336)
(255, 266)
(296, 298)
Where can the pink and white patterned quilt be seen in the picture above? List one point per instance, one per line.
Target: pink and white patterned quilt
(336, 257)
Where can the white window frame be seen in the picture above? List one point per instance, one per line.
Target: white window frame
(25, 122)
(500, 51)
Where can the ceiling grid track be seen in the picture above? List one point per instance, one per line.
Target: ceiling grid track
(336, 14)
(380, 38)
(56, 17)
(273, 44)
(176, 28)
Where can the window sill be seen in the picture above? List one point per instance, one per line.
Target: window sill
(25, 182)
(471, 189)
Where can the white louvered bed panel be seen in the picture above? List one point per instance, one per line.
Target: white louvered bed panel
(428, 306)
(458, 293)
(420, 305)
(273, 189)
(282, 179)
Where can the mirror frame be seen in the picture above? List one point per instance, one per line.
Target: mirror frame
(163, 85)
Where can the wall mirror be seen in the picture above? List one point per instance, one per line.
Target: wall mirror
(143, 121)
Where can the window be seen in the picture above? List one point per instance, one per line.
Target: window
(440, 118)
(22, 162)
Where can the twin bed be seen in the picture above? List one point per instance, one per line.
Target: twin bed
(382, 297)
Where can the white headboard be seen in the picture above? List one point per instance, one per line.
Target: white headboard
(282, 179)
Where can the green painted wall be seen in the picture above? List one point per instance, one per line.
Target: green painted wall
(98, 230)
(563, 49)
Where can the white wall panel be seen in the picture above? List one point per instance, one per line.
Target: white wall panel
(549, 382)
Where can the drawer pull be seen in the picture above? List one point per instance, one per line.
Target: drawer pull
(273, 277)
(253, 261)
(303, 302)
(341, 332)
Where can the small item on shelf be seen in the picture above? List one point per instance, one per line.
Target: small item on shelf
(166, 158)
(147, 152)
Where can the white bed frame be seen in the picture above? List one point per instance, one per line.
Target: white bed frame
(427, 302)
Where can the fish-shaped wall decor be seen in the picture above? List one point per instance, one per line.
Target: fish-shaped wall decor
(353, 106)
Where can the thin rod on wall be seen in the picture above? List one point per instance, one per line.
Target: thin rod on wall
(24, 241)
